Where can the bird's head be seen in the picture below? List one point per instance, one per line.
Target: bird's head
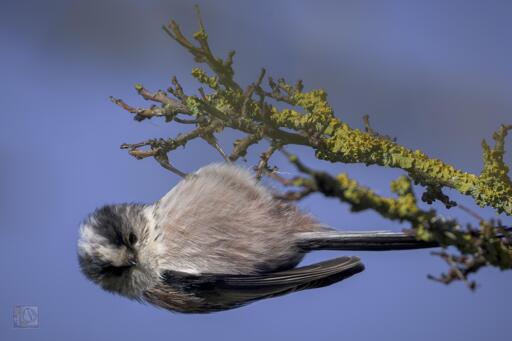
(108, 248)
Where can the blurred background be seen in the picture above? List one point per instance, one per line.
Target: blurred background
(434, 74)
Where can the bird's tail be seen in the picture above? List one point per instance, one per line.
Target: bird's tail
(361, 241)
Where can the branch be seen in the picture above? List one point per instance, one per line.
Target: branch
(314, 124)
(490, 245)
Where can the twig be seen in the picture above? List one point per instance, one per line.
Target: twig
(264, 158)
(163, 160)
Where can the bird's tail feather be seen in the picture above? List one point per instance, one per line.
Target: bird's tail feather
(361, 241)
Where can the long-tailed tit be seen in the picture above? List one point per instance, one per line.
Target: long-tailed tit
(218, 240)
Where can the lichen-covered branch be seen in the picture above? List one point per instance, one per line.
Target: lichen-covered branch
(490, 245)
(281, 114)
(315, 125)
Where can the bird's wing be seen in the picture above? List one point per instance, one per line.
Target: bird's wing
(221, 291)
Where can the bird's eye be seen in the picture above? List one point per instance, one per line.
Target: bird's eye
(132, 239)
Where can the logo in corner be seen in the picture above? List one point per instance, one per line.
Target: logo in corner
(26, 316)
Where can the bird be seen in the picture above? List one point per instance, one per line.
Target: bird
(217, 240)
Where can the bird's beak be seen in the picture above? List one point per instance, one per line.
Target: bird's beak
(133, 259)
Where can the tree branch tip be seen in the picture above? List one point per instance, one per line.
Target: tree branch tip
(168, 31)
(199, 18)
(163, 160)
(231, 54)
(263, 71)
(142, 154)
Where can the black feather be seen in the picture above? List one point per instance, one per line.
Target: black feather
(364, 240)
(224, 291)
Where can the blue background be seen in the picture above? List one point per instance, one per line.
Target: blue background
(435, 74)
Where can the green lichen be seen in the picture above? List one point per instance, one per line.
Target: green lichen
(194, 105)
(494, 182)
(361, 198)
(202, 77)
